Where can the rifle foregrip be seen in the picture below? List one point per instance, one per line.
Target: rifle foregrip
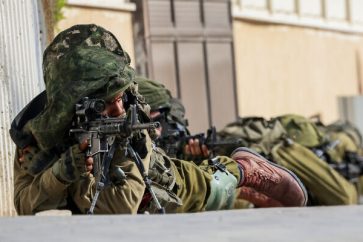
(225, 143)
(153, 125)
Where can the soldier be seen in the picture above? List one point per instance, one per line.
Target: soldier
(52, 170)
(343, 150)
(290, 141)
(173, 137)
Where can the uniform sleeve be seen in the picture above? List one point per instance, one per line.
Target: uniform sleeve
(36, 193)
(123, 198)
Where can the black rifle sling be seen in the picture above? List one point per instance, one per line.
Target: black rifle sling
(145, 176)
(104, 177)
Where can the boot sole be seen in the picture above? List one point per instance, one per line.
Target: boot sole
(276, 165)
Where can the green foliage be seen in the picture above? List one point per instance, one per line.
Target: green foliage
(58, 14)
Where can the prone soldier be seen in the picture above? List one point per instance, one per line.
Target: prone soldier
(55, 170)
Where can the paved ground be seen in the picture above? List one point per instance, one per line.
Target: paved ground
(340, 224)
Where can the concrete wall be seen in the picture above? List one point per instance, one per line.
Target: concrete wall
(286, 69)
(297, 56)
(20, 80)
(116, 19)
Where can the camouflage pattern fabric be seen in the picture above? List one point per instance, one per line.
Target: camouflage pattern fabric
(155, 93)
(159, 98)
(177, 112)
(85, 60)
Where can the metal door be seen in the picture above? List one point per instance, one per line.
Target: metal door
(188, 46)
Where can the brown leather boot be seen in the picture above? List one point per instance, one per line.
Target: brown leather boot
(258, 199)
(270, 179)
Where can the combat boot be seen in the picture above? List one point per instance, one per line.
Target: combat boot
(258, 199)
(270, 179)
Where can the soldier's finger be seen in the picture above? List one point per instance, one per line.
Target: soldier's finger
(197, 148)
(193, 150)
(187, 150)
(205, 151)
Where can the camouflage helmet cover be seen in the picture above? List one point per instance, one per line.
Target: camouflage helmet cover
(160, 98)
(84, 60)
(177, 111)
(155, 93)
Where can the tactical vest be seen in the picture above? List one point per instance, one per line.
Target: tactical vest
(163, 182)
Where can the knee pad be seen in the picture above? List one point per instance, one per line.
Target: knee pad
(223, 187)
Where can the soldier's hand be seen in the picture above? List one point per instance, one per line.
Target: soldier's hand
(89, 159)
(26, 152)
(195, 150)
(73, 164)
(33, 160)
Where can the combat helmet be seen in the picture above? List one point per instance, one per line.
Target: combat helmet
(160, 99)
(155, 94)
(84, 60)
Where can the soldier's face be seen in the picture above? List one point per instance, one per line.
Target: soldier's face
(115, 107)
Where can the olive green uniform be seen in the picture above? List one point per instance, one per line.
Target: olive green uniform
(49, 168)
(326, 185)
(160, 99)
(194, 182)
(44, 191)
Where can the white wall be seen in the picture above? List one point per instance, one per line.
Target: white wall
(338, 15)
(297, 56)
(113, 15)
(20, 80)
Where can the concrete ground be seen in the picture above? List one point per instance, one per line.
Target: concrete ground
(340, 224)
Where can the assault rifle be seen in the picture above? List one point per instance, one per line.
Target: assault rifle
(174, 140)
(101, 133)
